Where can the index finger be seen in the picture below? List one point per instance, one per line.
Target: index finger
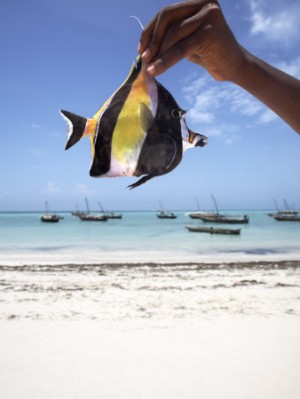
(153, 35)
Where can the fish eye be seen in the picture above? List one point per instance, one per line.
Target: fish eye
(176, 113)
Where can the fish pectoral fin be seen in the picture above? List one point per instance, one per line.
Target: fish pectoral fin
(146, 116)
(167, 149)
(157, 156)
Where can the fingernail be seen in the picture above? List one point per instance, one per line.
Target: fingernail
(146, 54)
(151, 70)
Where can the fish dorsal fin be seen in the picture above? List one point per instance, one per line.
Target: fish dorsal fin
(133, 74)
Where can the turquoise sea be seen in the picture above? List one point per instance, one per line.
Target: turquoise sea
(144, 268)
(140, 237)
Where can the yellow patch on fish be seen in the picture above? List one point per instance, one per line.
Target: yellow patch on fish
(129, 121)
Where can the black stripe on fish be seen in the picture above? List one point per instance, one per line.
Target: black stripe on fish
(103, 138)
(162, 149)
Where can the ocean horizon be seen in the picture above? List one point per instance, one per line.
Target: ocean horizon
(140, 237)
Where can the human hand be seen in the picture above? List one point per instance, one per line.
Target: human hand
(195, 30)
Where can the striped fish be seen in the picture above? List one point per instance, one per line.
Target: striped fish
(139, 131)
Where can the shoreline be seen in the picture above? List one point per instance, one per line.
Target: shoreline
(208, 264)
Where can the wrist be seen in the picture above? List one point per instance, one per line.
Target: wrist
(243, 72)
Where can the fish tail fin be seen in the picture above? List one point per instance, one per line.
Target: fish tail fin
(78, 127)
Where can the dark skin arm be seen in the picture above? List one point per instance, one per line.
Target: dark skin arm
(197, 30)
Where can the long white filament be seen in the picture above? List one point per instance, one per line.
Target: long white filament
(139, 21)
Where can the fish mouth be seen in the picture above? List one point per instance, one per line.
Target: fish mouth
(202, 142)
(201, 139)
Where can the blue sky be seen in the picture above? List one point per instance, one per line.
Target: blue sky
(72, 54)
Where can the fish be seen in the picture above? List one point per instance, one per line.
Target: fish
(139, 131)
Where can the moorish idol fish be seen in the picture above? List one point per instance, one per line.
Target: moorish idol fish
(139, 131)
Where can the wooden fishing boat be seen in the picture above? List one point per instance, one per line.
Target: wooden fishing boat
(288, 211)
(77, 213)
(226, 219)
(113, 215)
(199, 214)
(91, 217)
(50, 217)
(287, 217)
(213, 230)
(110, 215)
(217, 217)
(165, 215)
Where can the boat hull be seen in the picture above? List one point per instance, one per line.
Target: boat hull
(225, 219)
(213, 230)
(50, 218)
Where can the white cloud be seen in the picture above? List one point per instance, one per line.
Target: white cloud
(267, 116)
(199, 116)
(277, 22)
(244, 103)
(36, 126)
(51, 189)
(223, 109)
(210, 99)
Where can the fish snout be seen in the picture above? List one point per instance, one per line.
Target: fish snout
(199, 140)
(203, 140)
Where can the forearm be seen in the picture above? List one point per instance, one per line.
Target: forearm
(198, 31)
(277, 90)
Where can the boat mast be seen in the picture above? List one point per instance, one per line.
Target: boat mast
(161, 206)
(87, 206)
(47, 207)
(215, 202)
(101, 207)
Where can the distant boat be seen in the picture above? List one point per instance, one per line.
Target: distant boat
(110, 215)
(50, 217)
(199, 214)
(113, 215)
(165, 215)
(283, 212)
(213, 230)
(226, 219)
(287, 217)
(216, 217)
(90, 217)
(77, 212)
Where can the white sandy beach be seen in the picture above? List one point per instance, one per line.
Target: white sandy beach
(150, 331)
(228, 357)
